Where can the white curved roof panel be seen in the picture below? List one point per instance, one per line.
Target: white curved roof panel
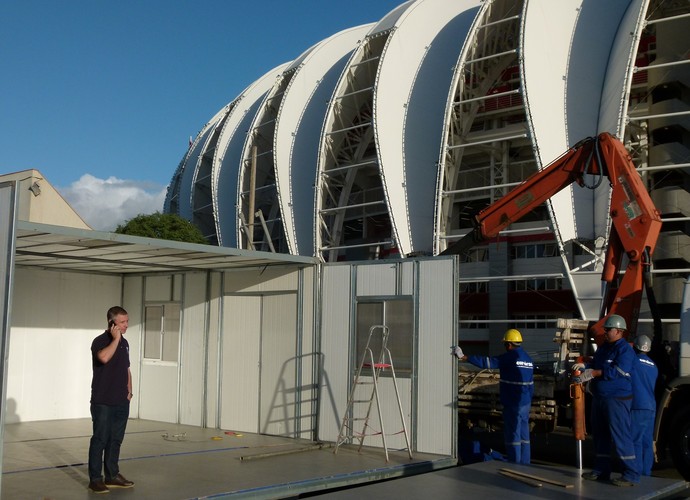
(189, 170)
(298, 130)
(414, 78)
(229, 155)
(390, 19)
(566, 48)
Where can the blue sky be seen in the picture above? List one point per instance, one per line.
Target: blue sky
(102, 97)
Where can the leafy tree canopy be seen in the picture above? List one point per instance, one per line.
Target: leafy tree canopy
(162, 226)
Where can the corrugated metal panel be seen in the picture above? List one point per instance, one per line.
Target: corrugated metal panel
(376, 279)
(436, 369)
(335, 347)
(241, 329)
(193, 350)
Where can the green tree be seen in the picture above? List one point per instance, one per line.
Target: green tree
(162, 226)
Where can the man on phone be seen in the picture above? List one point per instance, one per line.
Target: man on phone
(111, 392)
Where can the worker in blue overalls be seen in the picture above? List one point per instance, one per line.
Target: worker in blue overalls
(516, 389)
(611, 388)
(644, 405)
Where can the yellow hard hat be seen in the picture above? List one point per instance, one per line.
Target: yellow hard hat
(513, 336)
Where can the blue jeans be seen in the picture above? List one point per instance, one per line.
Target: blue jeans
(109, 423)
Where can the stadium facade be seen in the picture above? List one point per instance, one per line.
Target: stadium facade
(381, 141)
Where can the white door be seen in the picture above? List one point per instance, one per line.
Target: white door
(258, 363)
(241, 338)
(278, 364)
(158, 394)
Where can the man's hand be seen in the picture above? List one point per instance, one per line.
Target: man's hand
(586, 376)
(115, 332)
(456, 351)
(578, 366)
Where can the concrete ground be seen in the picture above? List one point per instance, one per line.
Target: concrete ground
(46, 460)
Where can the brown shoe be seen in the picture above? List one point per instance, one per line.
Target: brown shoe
(98, 486)
(119, 481)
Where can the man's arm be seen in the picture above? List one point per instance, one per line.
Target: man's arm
(106, 354)
(129, 384)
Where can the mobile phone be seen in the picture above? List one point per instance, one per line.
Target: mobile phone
(111, 323)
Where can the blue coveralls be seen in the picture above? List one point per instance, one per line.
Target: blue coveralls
(516, 389)
(643, 412)
(611, 407)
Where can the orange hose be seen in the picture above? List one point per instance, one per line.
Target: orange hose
(577, 394)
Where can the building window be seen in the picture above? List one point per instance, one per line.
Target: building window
(533, 321)
(534, 251)
(162, 332)
(475, 255)
(474, 287)
(531, 285)
(398, 315)
(473, 321)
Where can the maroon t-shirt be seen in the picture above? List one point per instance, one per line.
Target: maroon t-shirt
(109, 383)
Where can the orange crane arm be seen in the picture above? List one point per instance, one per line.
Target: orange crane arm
(635, 221)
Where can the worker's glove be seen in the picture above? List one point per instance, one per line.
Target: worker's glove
(585, 376)
(456, 351)
(578, 367)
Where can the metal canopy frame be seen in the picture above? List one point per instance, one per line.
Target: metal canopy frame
(82, 250)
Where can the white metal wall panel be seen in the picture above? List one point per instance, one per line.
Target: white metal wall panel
(376, 279)
(213, 352)
(228, 158)
(298, 130)
(159, 288)
(437, 371)
(335, 348)
(132, 301)
(309, 356)
(61, 315)
(261, 280)
(278, 364)
(193, 349)
(158, 392)
(413, 79)
(407, 277)
(240, 374)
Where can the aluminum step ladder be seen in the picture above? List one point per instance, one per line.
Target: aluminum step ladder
(368, 373)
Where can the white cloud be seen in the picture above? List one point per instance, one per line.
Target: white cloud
(105, 203)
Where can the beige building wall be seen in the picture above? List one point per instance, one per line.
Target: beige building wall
(40, 202)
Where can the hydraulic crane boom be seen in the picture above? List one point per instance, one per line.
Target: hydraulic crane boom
(635, 221)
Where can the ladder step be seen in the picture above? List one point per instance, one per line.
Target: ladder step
(377, 365)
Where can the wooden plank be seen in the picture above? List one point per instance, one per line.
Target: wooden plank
(537, 478)
(525, 480)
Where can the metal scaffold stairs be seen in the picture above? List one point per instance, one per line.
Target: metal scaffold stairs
(368, 373)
